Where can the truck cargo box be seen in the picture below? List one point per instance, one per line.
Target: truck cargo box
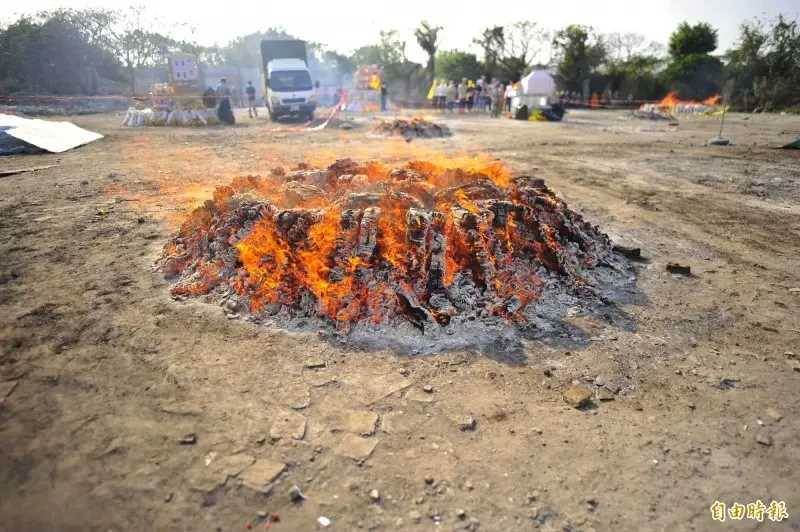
(281, 49)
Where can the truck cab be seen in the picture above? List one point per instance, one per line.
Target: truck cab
(289, 89)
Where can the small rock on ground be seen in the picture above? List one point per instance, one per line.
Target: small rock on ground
(356, 447)
(261, 474)
(577, 396)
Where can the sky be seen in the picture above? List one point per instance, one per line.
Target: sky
(344, 25)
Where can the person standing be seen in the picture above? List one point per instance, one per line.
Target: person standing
(251, 100)
(384, 94)
(507, 95)
(451, 95)
(499, 99)
(224, 111)
(441, 95)
(462, 95)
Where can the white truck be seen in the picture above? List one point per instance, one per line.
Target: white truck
(287, 79)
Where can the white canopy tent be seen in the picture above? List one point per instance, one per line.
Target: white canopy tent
(538, 83)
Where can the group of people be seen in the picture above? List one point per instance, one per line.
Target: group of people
(220, 98)
(468, 95)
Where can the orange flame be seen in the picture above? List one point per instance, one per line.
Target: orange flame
(672, 100)
(304, 244)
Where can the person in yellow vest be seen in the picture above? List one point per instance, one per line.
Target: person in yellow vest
(432, 93)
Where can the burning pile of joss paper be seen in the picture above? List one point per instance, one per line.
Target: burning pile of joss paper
(410, 129)
(671, 105)
(423, 257)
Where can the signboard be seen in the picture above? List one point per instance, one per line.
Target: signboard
(183, 68)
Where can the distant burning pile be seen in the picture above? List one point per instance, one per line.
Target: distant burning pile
(414, 128)
(422, 257)
(671, 104)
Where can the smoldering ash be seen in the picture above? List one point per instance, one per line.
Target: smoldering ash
(427, 256)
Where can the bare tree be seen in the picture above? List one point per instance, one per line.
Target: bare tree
(524, 42)
(491, 40)
(625, 46)
(136, 45)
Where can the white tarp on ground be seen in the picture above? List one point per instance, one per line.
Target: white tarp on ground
(55, 137)
(538, 82)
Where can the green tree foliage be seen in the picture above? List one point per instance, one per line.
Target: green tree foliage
(691, 40)
(635, 76)
(390, 50)
(245, 51)
(692, 71)
(454, 65)
(390, 53)
(579, 53)
(764, 66)
(631, 66)
(59, 52)
(427, 37)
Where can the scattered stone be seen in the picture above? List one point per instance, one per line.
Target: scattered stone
(323, 521)
(403, 371)
(415, 516)
(577, 396)
(727, 383)
(188, 439)
(372, 388)
(261, 474)
(427, 388)
(591, 504)
(419, 396)
(467, 423)
(627, 251)
(678, 269)
(5, 389)
(288, 425)
(604, 395)
(599, 381)
(469, 485)
(356, 447)
(795, 290)
(361, 422)
(295, 495)
(375, 495)
(764, 439)
(168, 497)
(773, 414)
(261, 514)
(461, 513)
(429, 480)
(315, 363)
(296, 396)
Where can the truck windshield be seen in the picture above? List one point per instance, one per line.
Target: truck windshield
(290, 80)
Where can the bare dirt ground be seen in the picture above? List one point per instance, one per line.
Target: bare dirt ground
(102, 373)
